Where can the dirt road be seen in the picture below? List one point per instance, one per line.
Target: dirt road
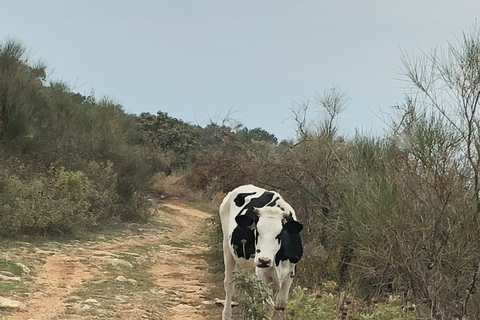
(154, 271)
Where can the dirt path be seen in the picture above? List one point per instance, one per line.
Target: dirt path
(155, 271)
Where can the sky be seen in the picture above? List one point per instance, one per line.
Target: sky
(252, 61)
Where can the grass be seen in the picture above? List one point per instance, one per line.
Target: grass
(10, 266)
(178, 244)
(12, 269)
(9, 287)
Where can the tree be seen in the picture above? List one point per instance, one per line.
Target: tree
(446, 87)
(331, 103)
(20, 96)
(169, 135)
(439, 136)
(256, 134)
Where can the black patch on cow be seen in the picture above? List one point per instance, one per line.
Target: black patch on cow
(246, 217)
(243, 249)
(246, 220)
(274, 202)
(240, 198)
(259, 202)
(291, 247)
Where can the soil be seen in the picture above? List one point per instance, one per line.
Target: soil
(153, 271)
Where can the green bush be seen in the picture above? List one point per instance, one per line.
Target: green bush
(302, 306)
(104, 201)
(214, 240)
(253, 296)
(57, 201)
(391, 310)
(53, 203)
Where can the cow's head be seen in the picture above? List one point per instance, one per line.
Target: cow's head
(269, 223)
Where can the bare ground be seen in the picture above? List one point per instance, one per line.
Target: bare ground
(156, 271)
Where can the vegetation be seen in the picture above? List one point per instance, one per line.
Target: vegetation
(393, 219)
(387, 216)
(254, 297)
(67, 162)
(255, 301)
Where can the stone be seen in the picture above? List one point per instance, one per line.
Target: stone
(92, 301)
(24, 268)
(10, 303)
(7, 278)
(121, 279)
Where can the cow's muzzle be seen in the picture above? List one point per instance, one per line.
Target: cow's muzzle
(264, 262)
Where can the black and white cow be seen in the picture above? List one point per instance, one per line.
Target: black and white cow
(261, 233)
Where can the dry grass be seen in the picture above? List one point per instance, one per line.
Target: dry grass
(172, 186)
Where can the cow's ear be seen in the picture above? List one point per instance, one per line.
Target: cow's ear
(293, 227)
(244, 221)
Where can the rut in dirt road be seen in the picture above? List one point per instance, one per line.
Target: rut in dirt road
(156, 271)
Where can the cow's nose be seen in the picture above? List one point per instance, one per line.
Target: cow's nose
(264, 262)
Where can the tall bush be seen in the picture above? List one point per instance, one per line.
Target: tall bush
(46, 125)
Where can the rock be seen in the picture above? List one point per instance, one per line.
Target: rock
(133, 254)
(91, 301)
(113, 261)
(24, 268)
(10, 303)
(7, 278)
(123, 279)
(120, 263)
(99, 281)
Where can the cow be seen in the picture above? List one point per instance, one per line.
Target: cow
(260, 233)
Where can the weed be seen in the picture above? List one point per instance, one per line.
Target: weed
(253, 296)
(302, 306)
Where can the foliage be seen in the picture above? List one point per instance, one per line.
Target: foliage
(302, 306)
(231, 159)
(257, 134)
(391, 310)
(253, 296)
(57, 201)
(79, 160)
(214, 240)
(171, 136)
(395, 216)
(387, 216)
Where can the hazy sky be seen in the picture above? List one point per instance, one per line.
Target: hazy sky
(198, 59)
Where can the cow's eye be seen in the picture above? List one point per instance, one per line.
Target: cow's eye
(258, 250)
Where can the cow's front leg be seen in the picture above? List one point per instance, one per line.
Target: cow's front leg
(282, 294)
(281, 299)
(278, 315)
(227, 283)
(286, 273)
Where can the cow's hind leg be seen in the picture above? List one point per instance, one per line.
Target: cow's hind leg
(227, 283)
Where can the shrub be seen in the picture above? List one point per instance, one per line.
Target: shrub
(58, 201)
(302, 306)
(391, 310)
(53, 203)
(253, 296)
